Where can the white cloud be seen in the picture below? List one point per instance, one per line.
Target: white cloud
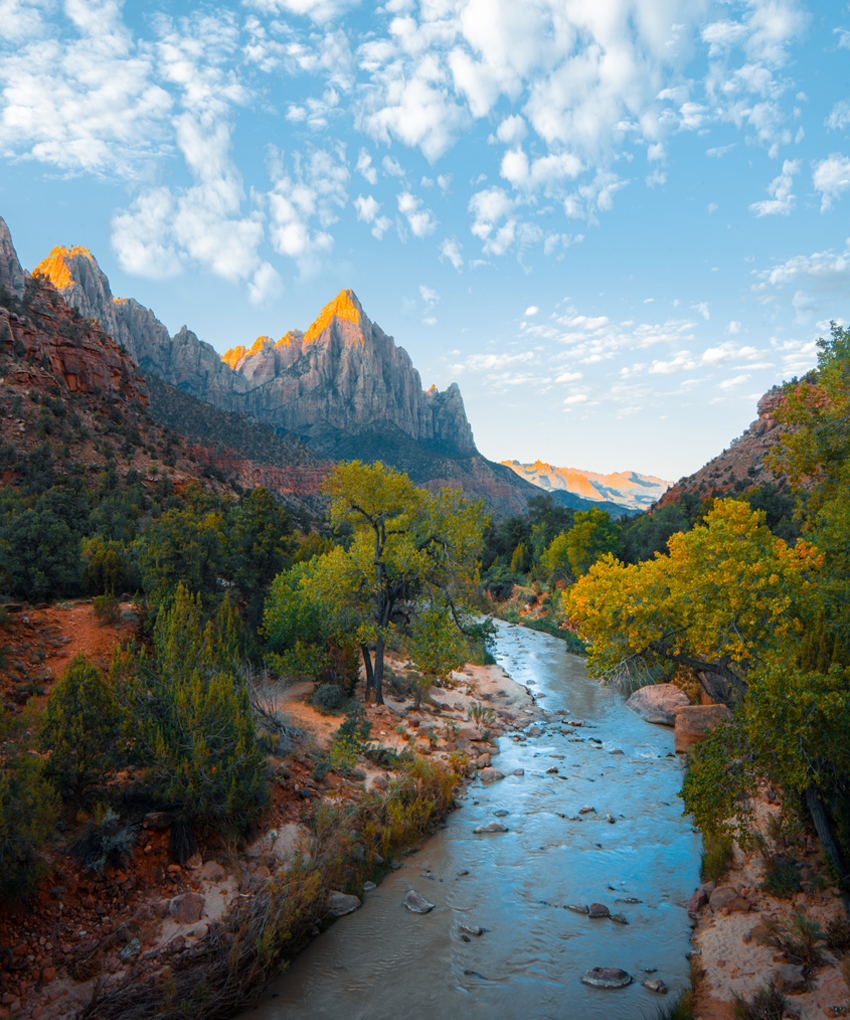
(489, 362)
(781, 201)
(839, 117)
(367, 210)
(421, 220)
(738, 380)
(702, 308)
(429, 296)
(734, 327)
(720, 151)
(565, 377)
(392, 167)
(831, 177)
(450, 250)
(511, 130)
(365, 168)
(320, 11)
(532, 310)
(577, 398)
(304, 202)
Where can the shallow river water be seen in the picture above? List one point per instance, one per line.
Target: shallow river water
(385, 963)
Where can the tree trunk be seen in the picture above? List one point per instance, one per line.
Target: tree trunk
(827, 841)
(379, 670)
(367, 665)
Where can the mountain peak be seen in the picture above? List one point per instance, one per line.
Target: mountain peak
(57, 266)
(344, 306)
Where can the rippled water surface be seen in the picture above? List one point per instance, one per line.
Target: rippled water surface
(384, 962)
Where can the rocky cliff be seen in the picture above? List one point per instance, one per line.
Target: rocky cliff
(11, 273)
(344, 374)
(741, 466)
(628, 489)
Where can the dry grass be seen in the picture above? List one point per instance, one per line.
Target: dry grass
(226, 971)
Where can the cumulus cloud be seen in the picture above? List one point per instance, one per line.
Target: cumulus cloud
(831, 177)
(839, 116)
(781, 201)
(365, 168)
(450, 249)
(367, 210)
(305, 201)
(419, 217)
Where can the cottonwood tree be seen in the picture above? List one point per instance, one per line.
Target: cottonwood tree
(410, 549)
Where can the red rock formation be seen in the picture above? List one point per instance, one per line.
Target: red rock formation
(626, 488)
(742, 465)
(81, 353)
(11, 273)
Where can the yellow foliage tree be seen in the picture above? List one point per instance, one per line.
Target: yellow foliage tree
(722, 601)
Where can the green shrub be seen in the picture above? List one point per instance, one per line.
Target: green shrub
(189, 714)
(106, 608)
(80, 727)
(105, 842)
(781, 877)
(716, 858)
(329, 699)
(27, 810)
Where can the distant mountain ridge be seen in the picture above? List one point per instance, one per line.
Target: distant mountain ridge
(628, 489)
(342, 386)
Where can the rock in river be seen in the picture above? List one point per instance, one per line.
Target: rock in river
(340, 904)
(416, 903)
(606, 977)
(491, 775)
(491, 827)
(655, 985)
(598, 910)
(657, 703)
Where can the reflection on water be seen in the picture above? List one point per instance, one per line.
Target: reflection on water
(384, 963)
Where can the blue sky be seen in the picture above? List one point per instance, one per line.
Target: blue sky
(615, 223)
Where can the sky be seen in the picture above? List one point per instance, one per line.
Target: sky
(614, 223)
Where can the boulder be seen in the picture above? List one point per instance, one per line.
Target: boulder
(657, 703)
(212, 871)
(655, 985)
(417, 904)
(491, 775)
(340, 904)
(606, 977)
(187, 908)
(727, 897)
(491, 827)
(695, 722)
(598, 910)
(791, 978)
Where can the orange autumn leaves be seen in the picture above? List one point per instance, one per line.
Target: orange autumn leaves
(728, 589)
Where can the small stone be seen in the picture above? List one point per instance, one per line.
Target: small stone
(586, 810)
(697, 901)
(552, 771)
(491, 775)
(483, 760)
(395, 865)
(471, 929)
(500, 813)
(157, 820)
(519, 772)
(655, 985)
(369, 886)
(187, 908)
(417, 904)
(610, 818)
(577, 908)
(606, 977)
(340, 904)
(132, 949)
(598, 910)
(194, 862)
(491, 827)
(619, 918)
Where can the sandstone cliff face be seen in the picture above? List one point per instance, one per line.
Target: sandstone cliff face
(84, 356)
(742, 465)
(11, 274)
(626, 488)
(344, 373)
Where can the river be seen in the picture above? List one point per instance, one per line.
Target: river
(385, 963)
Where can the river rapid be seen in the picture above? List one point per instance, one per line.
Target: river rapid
(385, 963)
